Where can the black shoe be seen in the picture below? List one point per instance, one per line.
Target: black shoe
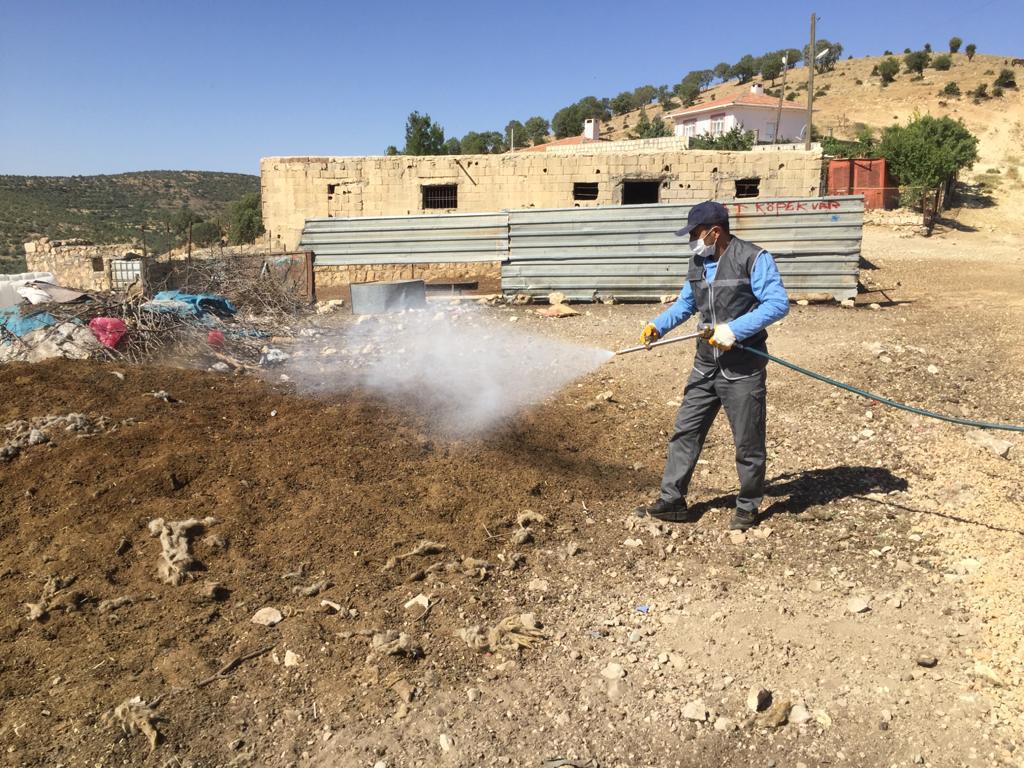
(666, 511)
(743, 520)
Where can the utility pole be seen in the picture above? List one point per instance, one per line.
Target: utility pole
(810, 87)
(778, 115)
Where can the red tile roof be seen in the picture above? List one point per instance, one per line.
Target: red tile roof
(739, 100)
(562, 143)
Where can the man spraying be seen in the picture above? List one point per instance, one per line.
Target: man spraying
(736, 288)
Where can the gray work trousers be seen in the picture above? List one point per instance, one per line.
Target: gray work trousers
(744, 401)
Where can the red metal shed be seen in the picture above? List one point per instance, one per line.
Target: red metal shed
(863, 176)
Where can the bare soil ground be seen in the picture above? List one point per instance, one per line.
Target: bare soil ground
(644, 626)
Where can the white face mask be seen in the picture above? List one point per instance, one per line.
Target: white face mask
(700, 248)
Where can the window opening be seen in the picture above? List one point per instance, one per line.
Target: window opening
(440, 196)
(640, 192)
(748, 187)
(584, 190)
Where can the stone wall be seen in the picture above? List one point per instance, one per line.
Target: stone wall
(297, 188)
(77, 263)
(333, 282)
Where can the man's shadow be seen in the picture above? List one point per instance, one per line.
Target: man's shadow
(796, 492)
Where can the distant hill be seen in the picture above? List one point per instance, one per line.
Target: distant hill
(109, 209)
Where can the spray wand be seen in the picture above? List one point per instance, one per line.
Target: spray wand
(700, 333)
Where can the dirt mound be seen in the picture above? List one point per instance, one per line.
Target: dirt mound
(309, 499)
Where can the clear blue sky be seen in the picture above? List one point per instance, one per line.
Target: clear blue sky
(88, 86)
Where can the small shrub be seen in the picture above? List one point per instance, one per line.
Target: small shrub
(927, 47)
(988, 72)
(887, 53)
(954, 44)
(1005, 79)
(791, 96)
(888, 69)
(874, 71)
(820, 92)
(942, 103)
(997, 92)
(981, 92)
(951, 89)
(858, 81)
(942, 62)
(970, 50)
(906, 50)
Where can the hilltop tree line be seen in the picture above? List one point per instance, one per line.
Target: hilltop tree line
(242, 223)
(423, 136)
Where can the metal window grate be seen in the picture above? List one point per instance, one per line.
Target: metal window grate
(584, 190)
(440, 196)
(748, 187)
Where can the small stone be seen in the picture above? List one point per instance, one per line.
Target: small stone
(725, 724)
(696, 710)
(802, 302)
(991, 443)
(799, 715)
(737, 537)
(613, 671)
(776, 715)
(446, 742)
(572, 548)
(537, 585)
(858, 605)
(933, 369)
(758, 699)
(632, 543)
(985, 672)
(291, 659)
(473, 695)
(761, 532)
(268, 617)
(847, 303)
(927, 661)
(606, 397)
(875, 305)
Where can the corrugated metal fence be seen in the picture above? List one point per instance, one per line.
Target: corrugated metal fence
(626, 252)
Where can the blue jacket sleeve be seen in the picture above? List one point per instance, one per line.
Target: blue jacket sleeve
(678, 313)
(773, 301)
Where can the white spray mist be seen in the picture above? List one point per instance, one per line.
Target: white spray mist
(466, 371)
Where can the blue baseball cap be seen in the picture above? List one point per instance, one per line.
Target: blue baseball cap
(706, 214)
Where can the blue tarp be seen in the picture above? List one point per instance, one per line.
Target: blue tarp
(197, 304)
(12, 320)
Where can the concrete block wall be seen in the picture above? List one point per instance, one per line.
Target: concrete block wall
(297, 188)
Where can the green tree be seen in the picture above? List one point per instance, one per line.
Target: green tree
(182, 218)
(205, 233)
(942, 62)
(927, 47)
(722, 71)
(735, 140)
(484, 143)
(650, 129)
(245, 220)
(452, 146)
(828, 61)
(423, 136)
(951, 89)
(981, 92)
(954, 44)
(644, 95)
(623, 103)
(688, 90)
(925, 154)
(888, 69)
(771, 66)
(793, 56)
(391, 150)
(703, 78)
(537, 129)
(1005, 79)
(970, 50)
(516, 131)
(916, 61)
(744, 69)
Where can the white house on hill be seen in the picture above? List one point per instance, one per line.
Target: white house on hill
(751, 111)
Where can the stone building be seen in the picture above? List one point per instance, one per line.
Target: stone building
(81, 264)
(582, 174)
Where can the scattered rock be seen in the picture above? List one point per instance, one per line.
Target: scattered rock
(927, 661)
(984, 672)
(990, 443)
(267, 617)
(695, 710)
(725, 724)
(933, 369)
(446, 742)
(135, 716)
(291, 659)
(537, 585)
(776, 715)
(473, 695)
(613, 671)
(858, 605)
(632, 543)
(799, 715)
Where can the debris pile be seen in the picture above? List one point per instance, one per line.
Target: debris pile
(176, 558)
(24, 433)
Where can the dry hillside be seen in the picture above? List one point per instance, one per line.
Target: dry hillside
(852, 96)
